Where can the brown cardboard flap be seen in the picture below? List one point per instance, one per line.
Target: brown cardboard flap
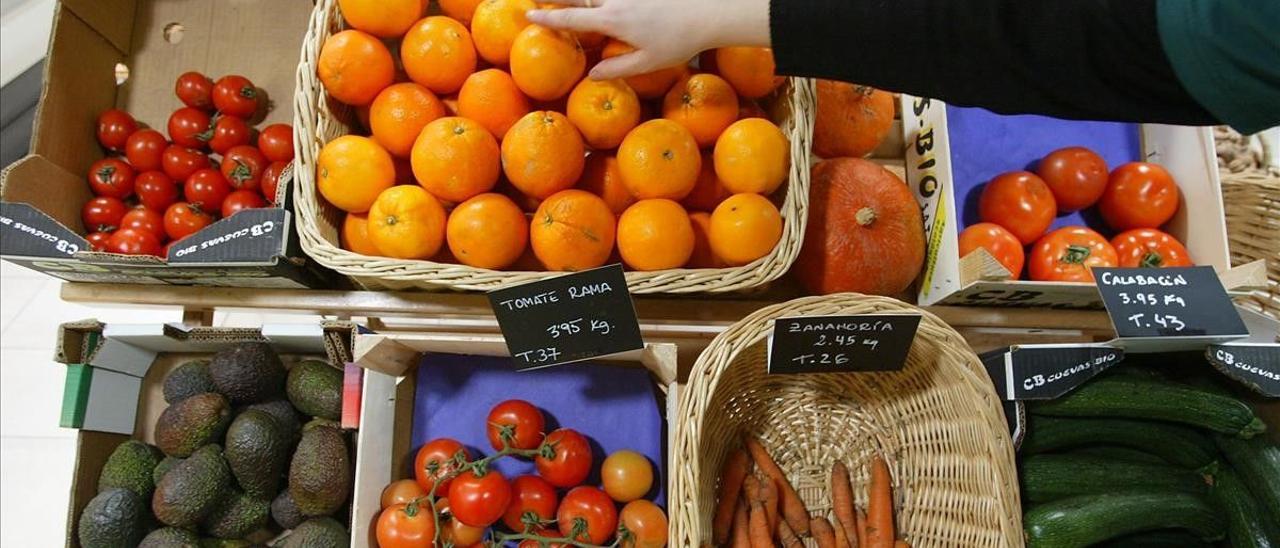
(92, 450)
(57, 192)
(113, 19)
(72, 344)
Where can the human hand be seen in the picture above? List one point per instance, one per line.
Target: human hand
(665, 33)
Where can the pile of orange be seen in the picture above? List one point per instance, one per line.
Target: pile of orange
(485, 142)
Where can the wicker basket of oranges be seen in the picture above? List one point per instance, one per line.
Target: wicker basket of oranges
(467, 150)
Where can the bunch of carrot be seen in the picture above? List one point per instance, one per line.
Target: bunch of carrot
(757, 506)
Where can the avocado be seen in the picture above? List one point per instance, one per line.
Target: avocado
(224, 543)
(315, 388)
(130, 466)
(248, 373)
(285, 512)
(191, 423)
(187, 380)
(116, 517)
(318, 533)
(320, 472)
(170, 537)
(286, 418)
(163, 468)
(257, 453)
(236, 516)
(192, 489)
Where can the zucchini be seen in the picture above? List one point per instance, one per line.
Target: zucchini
(1051, 477)
(1117, 453)
(1170, 538)
(1138, 398)
(1090, 519)
(1176, 444)
(1248, 524)
(1257, 461)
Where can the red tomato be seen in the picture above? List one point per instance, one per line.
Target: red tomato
(98, 240)
(182, 220)
(1068, 254)
(111, 177)
(180, 162)
(145, 149)
(571, 462)
(195, 90)
(479, 501)
(1020, 202)
(276, 142)
(206, 189)
(271, 180)
(406, 526)
(114, 128)
(103, 214)
(646, 525)
(533, 497)
(1139, 195)
(1150, 248)
(545, 533)
(188, 127)
(141, 218)
(235, 95)
(156, 191)
(1077, 177)
(587, 514)
(241, 200)
(435, 460)
(517, 420)
(1001, 243)
(461, 535)
(134, 241)
(242, 166)
(228, 132)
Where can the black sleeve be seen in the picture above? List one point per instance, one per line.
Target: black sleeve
(1078, 59)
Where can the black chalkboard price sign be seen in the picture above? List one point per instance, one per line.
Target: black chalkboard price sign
(834, 344)
(1168, 302)
(1254, 365)
(1047, 371)
(567, 318)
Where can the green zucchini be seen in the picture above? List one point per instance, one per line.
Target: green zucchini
(1258, 463)
(1117, 453)
(1138, 398)
(1177, 444)
(1090, 519)
(1051, 477)
(1248, 524)
(1169, 538)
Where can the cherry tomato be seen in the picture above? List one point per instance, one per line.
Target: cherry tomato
(228, 132)
(242, 166)
(545, 533)
(479, 501)
(134, 241)
(276, 142)
(1077, 177)
(182, 220)
(586, 514)
(111, 177)
(1068, 254)
(627, 475)
(141, 218)
(1139, 195)
(401, 492)
(461, 535)
(103, 214)
(533, 499)
(206, 189)
(145, 149)
(646, 525)
(195, 90)
(998, 241)
(435, 460)
(519, 421)
(156, 191)
(571, 461)
(1020, 202)
(1150, 248)
(406, 526)
(235, 95)
(180, 162)
(271, 180)
(188, 127)
(98, 240)
(114, 128)
(241, 200)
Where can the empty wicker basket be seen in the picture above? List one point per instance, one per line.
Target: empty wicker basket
(937, 422)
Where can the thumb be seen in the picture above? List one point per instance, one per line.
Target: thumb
(622, 66)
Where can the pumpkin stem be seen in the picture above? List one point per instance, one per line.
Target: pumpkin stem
(1151, 260)
(865, 216)
(1076, 254)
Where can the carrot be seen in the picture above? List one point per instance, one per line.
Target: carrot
(759, 526)
(741, 531)
(901, 544)
(735, 469)
(842, 502)
(823, 533)
(793, 509)
(769, 498)
(861, 528)
(879, 506)
(788, 537)
(842, 541)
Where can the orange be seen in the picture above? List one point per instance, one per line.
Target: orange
(602, 178)
(702, 257)
(462, 10)
(527, 203)
(495, 25)
(455, 159)
(705, 104)
(546, 63)
(407, 223)
(649, 85)
(655, 235)
(659, 159)
(744, 228)
(487, 231)
(437, 53)
(708, 192)
(351, 172)
(543, 154)
(399, 113)
(382, 18)
(573, 230)
(491, 98)
(355, 235)
(604, 111)
(354, 67)
(752, 156)
(750, 70)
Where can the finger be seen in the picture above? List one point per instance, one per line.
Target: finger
(574, 19)
(623, 66)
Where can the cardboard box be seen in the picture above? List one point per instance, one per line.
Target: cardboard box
(127, 54)
(119, 371)
(385, 446)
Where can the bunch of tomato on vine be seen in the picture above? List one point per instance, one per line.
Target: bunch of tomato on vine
(156, 189)
(456, 500)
